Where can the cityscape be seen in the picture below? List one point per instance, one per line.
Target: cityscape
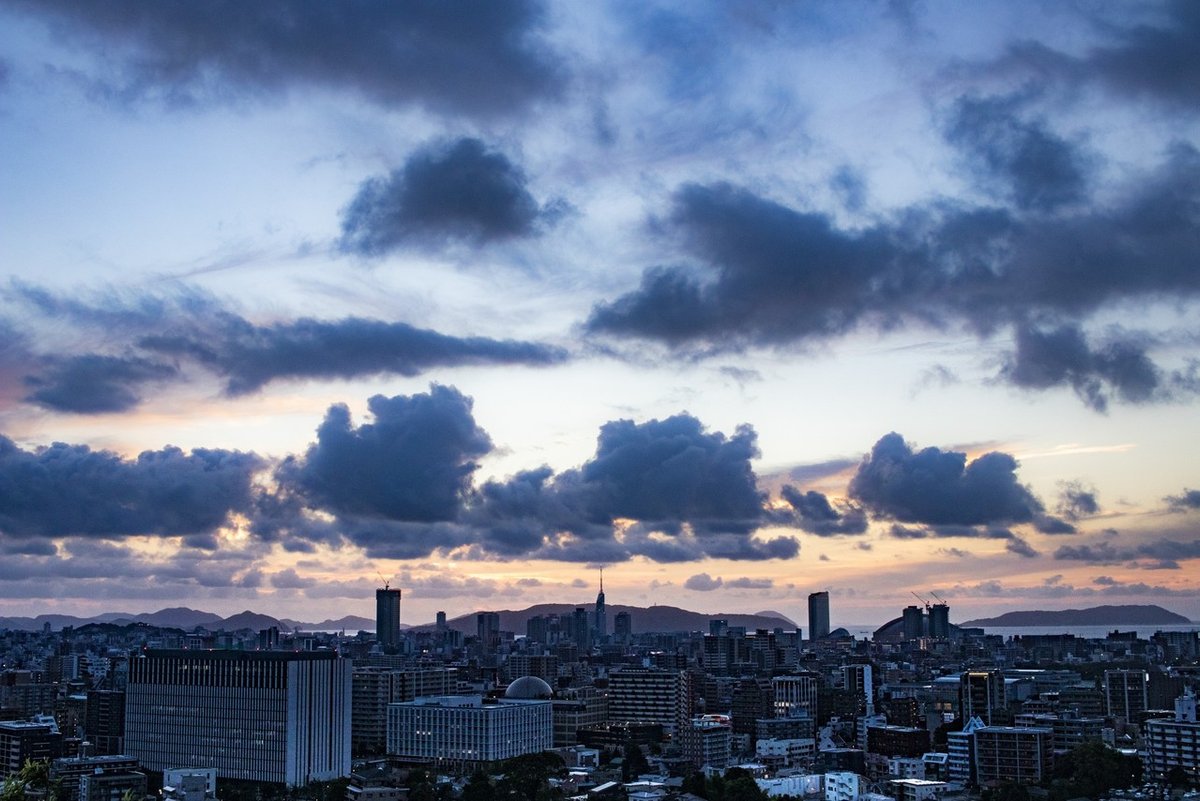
(483, 400)
(578, 705)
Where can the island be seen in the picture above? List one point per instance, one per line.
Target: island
(1128, 615)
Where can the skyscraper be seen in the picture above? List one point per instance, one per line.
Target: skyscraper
(387, 617)
(487, 627)
(818, 615)
(601, 624)
(276, 716)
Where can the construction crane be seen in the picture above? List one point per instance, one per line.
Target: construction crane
(922, 600)
(387, 583)
(939, 598)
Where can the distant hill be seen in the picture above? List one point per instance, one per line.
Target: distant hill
(1130, 615)
(347, 623)
(642, 619)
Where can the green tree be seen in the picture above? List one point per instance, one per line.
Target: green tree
(1093, 769)
(1008, 791)
(635, 762)
(479, 788)
(528, 776)
(696, 784)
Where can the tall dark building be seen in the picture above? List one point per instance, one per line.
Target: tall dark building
(939, 621)
(487, 625)
(981, 695)
(601, 623)
(104, 721)
(914, 623)
(387, 617)
(623, 628)
(818, 615)
(274, 716)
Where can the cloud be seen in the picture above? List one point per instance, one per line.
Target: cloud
(702, 582)
(939, 488)
(745, 583)
(769, 275)
(252, 356)
(187, 326)
(1102, 587)
(1160, 553)
(458, 191)
(816, 471)
(1076, 501)
(1021, 548)
(64, 490)
(1155, 61)
(1041, 170)
(480, 58)
(816, 515)
(1187, 500)
(95, 384)
(1062, 356)
(413, 463)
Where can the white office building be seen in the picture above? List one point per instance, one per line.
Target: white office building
(268, 716)
(463, 731)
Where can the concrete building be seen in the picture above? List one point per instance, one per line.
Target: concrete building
(463, 732)
(1070, 730)
(112, 785)
(189, 784)
(1012, 754)
(818, 616)
(960, 752)
(387, 618)
(68, 770)
(1125, 693)
(844, 786)
(21, 741)
(1174, 742)
(981, 695)
(575, 709)
(708, 742)
(918, 789)
(796, 693)
(275, 716)
(650, 695)
(104, 721)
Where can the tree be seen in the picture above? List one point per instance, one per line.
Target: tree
(1093, 769)
(528, 776)
(479, 788)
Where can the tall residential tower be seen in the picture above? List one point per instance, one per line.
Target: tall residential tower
(387, 617)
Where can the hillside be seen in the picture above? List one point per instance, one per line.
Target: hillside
(642, 619)
(1130, 615)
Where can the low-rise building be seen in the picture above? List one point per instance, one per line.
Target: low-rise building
(467, 731)
(1019, 754)
(1174, 743)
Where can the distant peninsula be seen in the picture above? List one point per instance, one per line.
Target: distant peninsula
(1131, 615)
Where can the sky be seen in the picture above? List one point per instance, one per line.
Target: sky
(737, 301)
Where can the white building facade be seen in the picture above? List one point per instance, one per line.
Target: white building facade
(465, 730)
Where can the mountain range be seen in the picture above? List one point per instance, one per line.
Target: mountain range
(1130, 615)
(654, 618)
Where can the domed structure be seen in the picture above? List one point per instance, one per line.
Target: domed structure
(529, 688)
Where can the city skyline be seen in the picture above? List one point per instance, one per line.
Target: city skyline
(738, 303)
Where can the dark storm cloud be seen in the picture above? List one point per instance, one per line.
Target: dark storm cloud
(1157, 60)
(251, 356)
(1188, 499)
(189, 326)
(1062, 356)
(1040, 169)
(460, 191)
(413, 463)
(815, 514)
(94, 383)
(475, 58)
(776, 276)
(66, 490)
(1165, 552)
(939, 488)
(1076, 501)
(690, 493)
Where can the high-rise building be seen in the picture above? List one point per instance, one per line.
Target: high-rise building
(794, 693)
(1022, 755)
(649, 695)
(623, 628)
(981, 695)
(387, 617)
(274, 716)
(487, 626)
(1125, 693)
(939, 621)
(441, 621)
(914, 623)
(23, 741)
(104, 721)
(1174, 743)
(600, 625)
(818, 616)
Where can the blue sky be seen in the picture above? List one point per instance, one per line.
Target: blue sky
(738, 301)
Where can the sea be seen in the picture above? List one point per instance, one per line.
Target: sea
(1085, 632)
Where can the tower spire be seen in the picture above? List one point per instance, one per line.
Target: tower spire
(601, 579)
